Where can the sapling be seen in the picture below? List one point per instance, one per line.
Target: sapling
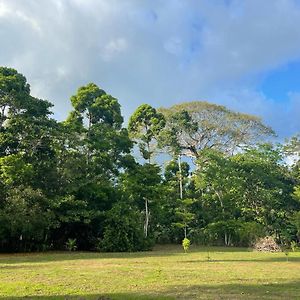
(208, 256)
(294, 246)
(71, 244)
(186, 244)
(286, 252)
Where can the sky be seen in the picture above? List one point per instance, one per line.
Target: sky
(244, 54)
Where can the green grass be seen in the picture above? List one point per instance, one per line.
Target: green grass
(165, 273)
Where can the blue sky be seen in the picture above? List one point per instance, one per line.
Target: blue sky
(280, 82)
(244, 54)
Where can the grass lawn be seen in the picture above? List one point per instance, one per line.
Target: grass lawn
(165, 273)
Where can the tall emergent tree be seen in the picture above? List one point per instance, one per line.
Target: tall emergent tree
(213, 127)
(176, 124)
(194, 127)
(144, 127)
(27, 163)
(102, 149)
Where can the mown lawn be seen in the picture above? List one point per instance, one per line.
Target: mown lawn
(165, 273)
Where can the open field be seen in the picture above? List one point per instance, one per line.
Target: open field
(165, 273)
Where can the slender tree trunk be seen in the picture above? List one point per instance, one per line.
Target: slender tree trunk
(2, 116)
(227, 239)
(146, 218)
(181, 190)
(180, 178)
(89, 135)
(148, 147)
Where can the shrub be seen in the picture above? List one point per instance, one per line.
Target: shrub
(249, 232)
(237, 233)
(124, 230)
(223, 232)
(294, 246)
(267, 244)
(199, 236)
(186, 244)
(71, 244)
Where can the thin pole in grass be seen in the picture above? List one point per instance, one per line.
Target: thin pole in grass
(286, 252)
(208, 256)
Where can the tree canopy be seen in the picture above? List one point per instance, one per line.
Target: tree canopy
(81, 180)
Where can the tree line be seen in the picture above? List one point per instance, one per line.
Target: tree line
(93, 182)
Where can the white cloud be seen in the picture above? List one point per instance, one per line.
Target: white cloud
(159, 52)
(4, 9)
(113, 48)
(173, 45)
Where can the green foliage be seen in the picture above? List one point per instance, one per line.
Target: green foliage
(186, 244)
(78, 178)
(144, 126)
(249, 232)
(124, 230)
(183, 214)
(71, 244)
(201, 125)
(24, 220)
(97, 106)
(294, 246)
(14, 170)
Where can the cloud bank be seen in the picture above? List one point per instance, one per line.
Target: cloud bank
(159, 52)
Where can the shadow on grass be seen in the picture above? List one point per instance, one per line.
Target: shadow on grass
(55, 256)
(253, 260)
(158, 251)
(287, 290)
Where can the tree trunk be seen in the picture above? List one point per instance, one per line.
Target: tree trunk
(180, 178)
(181, 190)
(148, 147)
(227, 239)
(89, 136)
(146, 218)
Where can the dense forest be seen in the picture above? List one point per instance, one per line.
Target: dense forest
(91, 183)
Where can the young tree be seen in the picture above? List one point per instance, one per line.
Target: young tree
(267, 186)
(141, 185)
(219, 186)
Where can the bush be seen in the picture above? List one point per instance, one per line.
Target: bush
(199, 236)
(71, 244)
(294, 246)
(249, 233)
(124, 231)
(267, 244)
(223, 232)
(186, 243)
(168, 234)
(24, 220)
(238, 233)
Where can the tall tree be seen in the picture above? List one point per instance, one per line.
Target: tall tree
(141, 185)
(214, 127)
(14, 93)
(144, 127)
(95, 150)
(169, 138)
